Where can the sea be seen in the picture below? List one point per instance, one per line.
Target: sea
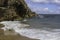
(42, 27)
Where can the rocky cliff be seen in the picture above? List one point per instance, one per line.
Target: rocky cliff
(14, 10)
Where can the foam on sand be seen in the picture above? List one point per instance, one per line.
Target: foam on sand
(13, 25)
(42, 34)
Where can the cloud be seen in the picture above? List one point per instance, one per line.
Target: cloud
(39, 0)
(46, 1)
(45, 11)
(40, 9)
(43, 8)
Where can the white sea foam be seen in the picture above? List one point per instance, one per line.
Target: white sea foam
(13, 25)
(25, 20)
(42, 34)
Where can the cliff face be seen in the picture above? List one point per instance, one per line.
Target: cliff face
(14, 9)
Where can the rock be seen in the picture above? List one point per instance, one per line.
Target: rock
(14, 9)
(1, 25)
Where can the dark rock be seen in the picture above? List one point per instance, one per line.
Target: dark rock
(14, 9)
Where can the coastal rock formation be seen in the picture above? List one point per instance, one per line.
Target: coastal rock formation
(14, 9)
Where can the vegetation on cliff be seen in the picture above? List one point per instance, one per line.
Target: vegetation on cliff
(14, 10)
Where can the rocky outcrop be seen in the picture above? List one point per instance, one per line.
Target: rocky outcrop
(14, 10)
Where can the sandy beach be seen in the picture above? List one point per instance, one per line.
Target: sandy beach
(12, 37)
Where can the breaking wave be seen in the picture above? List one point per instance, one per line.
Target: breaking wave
(41, 34)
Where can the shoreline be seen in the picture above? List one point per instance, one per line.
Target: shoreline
(13, 37)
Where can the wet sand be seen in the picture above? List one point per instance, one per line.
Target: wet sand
(12, 37)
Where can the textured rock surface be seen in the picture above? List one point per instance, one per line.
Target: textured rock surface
(14, 10)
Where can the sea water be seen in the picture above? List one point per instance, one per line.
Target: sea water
(40, 28)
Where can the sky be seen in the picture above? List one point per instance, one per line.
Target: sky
(44, 6)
